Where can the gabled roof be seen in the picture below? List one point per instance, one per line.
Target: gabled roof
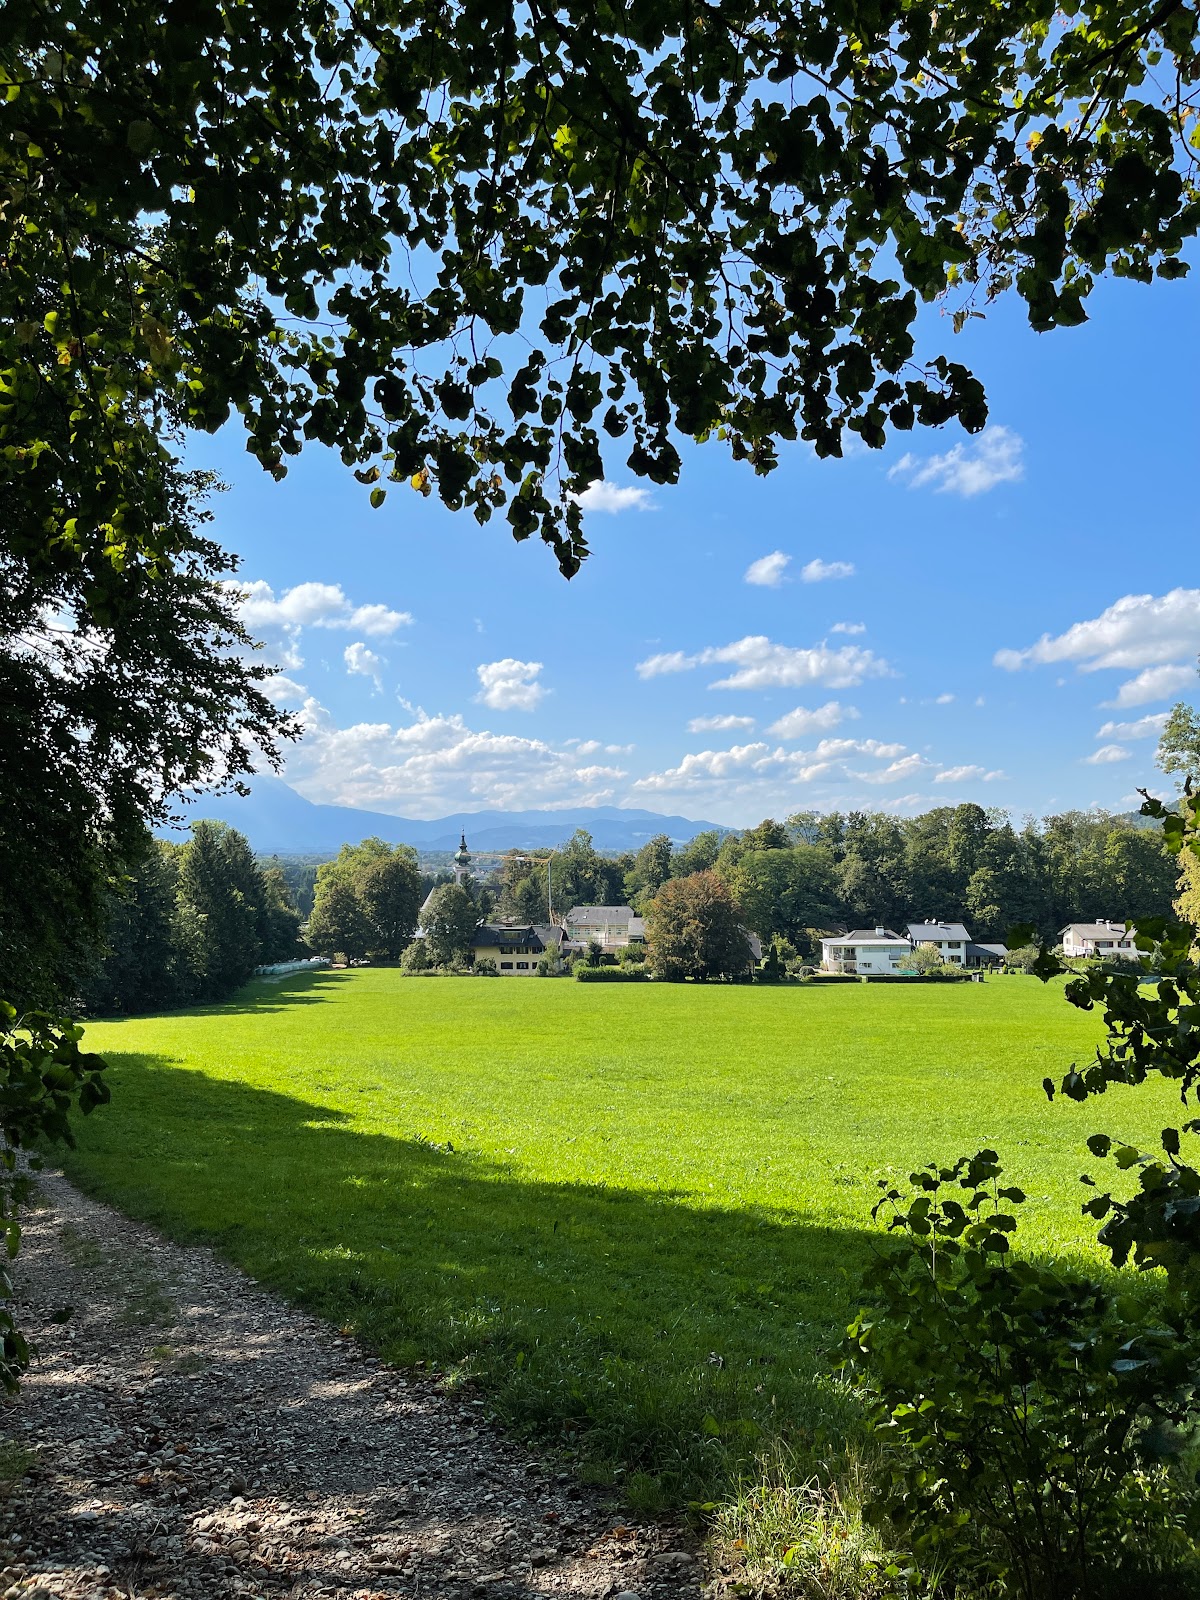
(933, 932)
(602, 914)
(489, 933)
(868, 936)
(992, 949)
(1098, 930)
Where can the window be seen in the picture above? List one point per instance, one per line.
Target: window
(506, 966)
(522, 966)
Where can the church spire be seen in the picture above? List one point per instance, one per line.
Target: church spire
(462, 862)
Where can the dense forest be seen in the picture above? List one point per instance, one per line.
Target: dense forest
(815, 872)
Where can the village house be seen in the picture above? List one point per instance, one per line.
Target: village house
(1105, 939)
(516, 949)
(865, 950)
(612, 927)
(954, 944)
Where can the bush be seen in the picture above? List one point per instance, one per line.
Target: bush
(834, 977)
(632, 955)
(1025, 1415)
(589, 974)
(415, 958)
(486, 968)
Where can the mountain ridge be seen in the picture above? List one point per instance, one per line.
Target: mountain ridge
(279, 821)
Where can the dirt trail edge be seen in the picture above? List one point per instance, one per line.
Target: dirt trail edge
(188, 1434)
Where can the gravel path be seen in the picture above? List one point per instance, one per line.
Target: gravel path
(189, 1435)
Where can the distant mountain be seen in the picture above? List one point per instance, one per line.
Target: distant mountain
(278, 821)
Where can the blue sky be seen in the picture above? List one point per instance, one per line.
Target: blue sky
(1019, 608)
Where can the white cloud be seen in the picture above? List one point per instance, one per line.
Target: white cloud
(438, 764)
(510, 685)
(907, 767)
(719, 724)
(1139, 630)
(968, 774)
(1144, 728)
(831, 749)
(849, 627)
(314, 605)
(967, 469)
(763, 665)
(365, 663)
(818, 571)
(943, 700)
(767, 571)
(601, 495)
(1155, 683)
(282, 689)
(1106, 754)
(798, 724)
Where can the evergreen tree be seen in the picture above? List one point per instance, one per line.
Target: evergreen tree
(216, 898)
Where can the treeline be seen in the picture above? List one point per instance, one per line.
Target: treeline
(191, 922)
(856, 869)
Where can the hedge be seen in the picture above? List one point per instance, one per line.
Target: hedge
(609, 975)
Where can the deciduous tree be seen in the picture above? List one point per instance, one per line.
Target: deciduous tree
(694, 930)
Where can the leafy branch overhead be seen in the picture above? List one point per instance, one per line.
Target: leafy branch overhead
(482, 249)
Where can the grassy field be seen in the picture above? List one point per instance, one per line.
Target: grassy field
(636, 1216)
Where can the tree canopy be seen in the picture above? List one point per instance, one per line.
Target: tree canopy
(477, 247)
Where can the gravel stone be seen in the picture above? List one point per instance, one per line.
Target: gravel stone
(195, 1438)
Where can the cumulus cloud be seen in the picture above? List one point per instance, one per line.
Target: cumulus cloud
(510, 685)
(364, 663)
(767, 572)
(1106, 754)
(762, 664)
(907, 767)
(798, 724)
(1138, 630)
(757, 774)
(283, 690)
(943, 699)
(818, 571)
(437, 764)
(314, 605)
(720, 724)
(967, 469)
(1144, 728)
(1155, 683)
(849, 627)
(601, 495)
(967, 775)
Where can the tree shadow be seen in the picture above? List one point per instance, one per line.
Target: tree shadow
(262, 995)
(659, 1338)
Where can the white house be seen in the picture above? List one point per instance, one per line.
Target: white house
(1106, 939)
(612, 927)
(865, 950)
(950, 939)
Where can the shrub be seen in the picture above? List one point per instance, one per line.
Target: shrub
(486, 968)
(632, 955)
(588, 974)
(416, 957)
(1024, 1413)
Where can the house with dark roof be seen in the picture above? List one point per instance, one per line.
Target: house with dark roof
(516, 948)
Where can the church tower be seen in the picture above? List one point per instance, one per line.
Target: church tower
(462, 863)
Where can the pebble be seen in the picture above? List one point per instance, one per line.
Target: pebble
(235, 1447)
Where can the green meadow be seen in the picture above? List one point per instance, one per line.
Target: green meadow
(635, 1216)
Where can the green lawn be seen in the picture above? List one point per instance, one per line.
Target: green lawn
(636, 1215)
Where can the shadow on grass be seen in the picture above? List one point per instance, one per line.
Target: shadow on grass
(264, 995)
(665, 1343)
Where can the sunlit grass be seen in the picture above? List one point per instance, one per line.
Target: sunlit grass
(637, 1216)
